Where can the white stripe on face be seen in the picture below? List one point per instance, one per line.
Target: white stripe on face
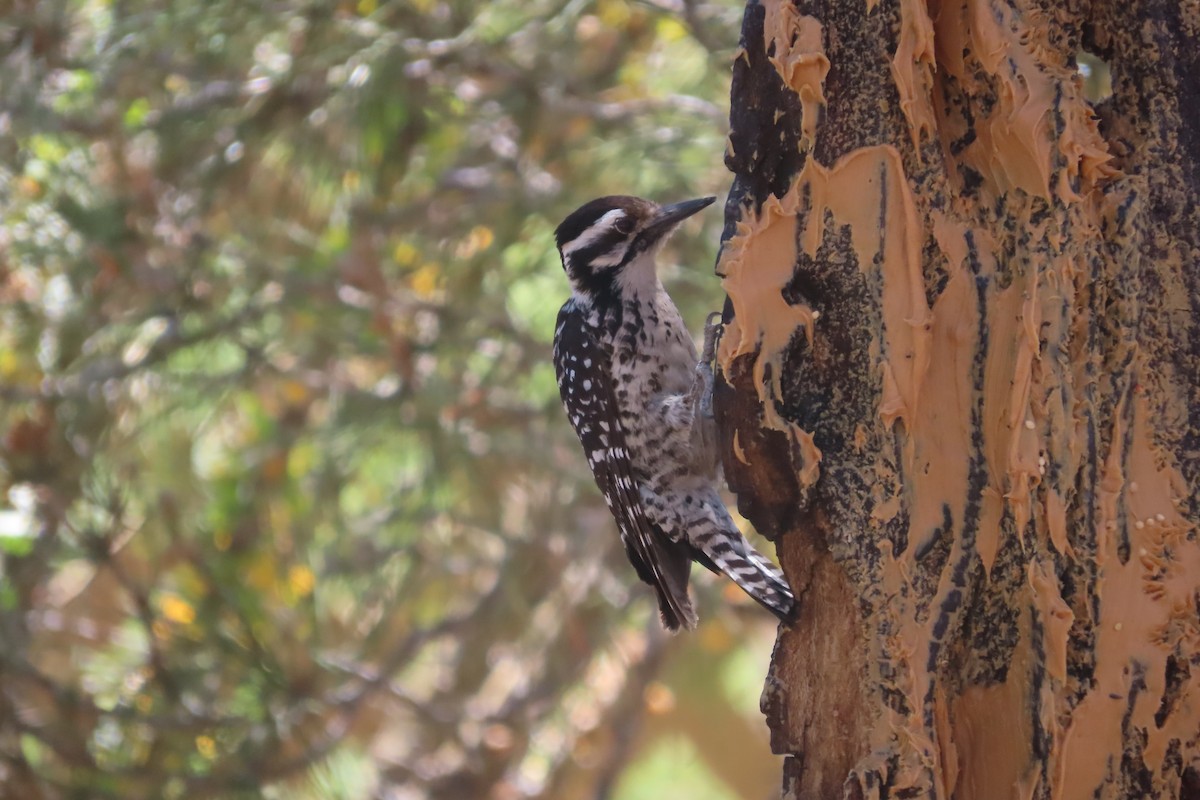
(594, 232)
(612, 258)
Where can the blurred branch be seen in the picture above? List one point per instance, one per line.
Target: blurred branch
(625, 715)
(101, 370)
(160, 671)
(642, 107)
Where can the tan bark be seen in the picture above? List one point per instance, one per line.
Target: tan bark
(961, 390)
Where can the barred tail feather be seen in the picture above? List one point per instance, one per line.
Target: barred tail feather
(750, 570)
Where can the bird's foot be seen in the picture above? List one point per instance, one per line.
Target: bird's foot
(702, 385)
(713, 328)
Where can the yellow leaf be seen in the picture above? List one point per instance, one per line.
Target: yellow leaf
(367, 7)
(8, 362)
(483, 235)
(295, 392)
(633, 77)
(178, 610)
(480, 238)
(301, 580)
(405, 254)
(425, 280)
(670, 29)
(614, 13)
(300, 460)
(206, 747)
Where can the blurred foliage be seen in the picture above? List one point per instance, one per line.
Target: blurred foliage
(288, 508)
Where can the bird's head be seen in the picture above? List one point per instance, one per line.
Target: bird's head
(610, 243)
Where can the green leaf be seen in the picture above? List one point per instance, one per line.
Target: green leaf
(136, 113)
(16, 545)
(531, 305)
(671, 768)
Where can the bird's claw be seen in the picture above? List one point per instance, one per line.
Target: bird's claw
(702, 387)
(713, 328)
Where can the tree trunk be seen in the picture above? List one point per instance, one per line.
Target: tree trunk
(961, 390)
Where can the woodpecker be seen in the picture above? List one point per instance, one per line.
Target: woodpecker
(640, 402)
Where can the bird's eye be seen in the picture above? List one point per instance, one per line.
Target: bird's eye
(624, 226)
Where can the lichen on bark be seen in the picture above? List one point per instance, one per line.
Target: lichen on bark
(961, 391)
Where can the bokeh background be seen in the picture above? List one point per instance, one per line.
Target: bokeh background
(288, 505)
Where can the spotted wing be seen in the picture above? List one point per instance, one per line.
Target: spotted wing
(586, 387)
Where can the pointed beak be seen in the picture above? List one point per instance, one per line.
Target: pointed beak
(668, 217)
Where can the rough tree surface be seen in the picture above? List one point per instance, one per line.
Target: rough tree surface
(962, 391)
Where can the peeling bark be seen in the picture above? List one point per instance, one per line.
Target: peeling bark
(960, 388)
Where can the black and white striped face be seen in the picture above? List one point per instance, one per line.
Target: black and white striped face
(600, 239)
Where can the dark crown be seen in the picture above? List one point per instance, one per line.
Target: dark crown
(600, 237)
(581, 219)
